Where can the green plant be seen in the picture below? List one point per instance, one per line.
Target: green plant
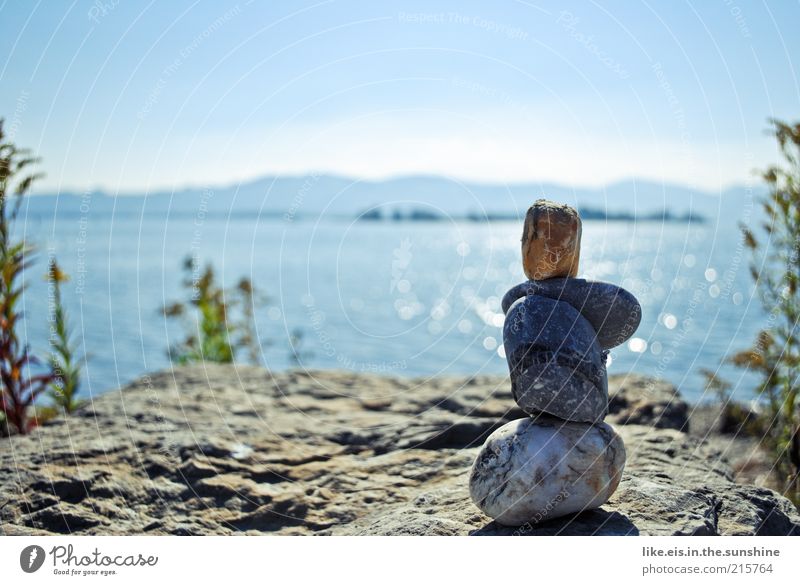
(20, 386)
(775, 267)
(219, 323)
(735, 418)
(63, 360)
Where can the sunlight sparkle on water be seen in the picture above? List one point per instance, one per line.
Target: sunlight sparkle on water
(637, 345)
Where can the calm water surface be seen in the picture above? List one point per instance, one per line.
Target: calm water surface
(398, 298)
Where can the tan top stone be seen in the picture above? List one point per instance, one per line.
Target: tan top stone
(551, 241)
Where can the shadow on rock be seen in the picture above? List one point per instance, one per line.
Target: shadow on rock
(597, 522)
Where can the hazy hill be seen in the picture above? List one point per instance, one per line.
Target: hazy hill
(304, 196)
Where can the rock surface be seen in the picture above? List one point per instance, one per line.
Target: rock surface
(533, 470)
(222, 450)
(640, 400)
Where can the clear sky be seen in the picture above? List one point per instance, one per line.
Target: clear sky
(133, 95)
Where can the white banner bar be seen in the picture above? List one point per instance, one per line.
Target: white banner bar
(286, 560)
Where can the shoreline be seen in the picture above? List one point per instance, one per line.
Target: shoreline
(702, 405)
(215, 449)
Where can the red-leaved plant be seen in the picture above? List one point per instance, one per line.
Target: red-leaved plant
(20, 386)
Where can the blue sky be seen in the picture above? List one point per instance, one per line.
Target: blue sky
(131, 96)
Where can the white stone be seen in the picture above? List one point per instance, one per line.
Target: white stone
(532, 470)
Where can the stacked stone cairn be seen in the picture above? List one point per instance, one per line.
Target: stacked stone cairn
(561, 459)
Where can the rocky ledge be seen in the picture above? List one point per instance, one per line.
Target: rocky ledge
(223, 449)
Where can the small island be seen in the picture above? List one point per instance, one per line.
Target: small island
(587, 213)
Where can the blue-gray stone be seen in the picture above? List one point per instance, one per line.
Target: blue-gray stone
(556, 336)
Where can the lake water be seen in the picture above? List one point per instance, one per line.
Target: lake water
(400, 298)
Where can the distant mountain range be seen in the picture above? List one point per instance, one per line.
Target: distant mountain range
(311, 196)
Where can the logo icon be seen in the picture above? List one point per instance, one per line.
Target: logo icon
(31, 558)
